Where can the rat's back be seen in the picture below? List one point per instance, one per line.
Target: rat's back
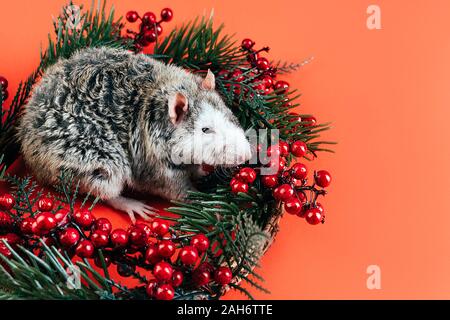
(80, 115)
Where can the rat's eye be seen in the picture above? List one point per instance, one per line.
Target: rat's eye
(207, 130)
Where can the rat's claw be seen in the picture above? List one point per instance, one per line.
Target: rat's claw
(132, 207)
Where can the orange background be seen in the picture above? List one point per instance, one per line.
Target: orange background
(386, 92)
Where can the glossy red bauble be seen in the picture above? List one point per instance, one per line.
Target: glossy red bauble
(45, 204)
(164, 292)
(322, 178)
(137, 236)
(270, 181)
(299, 148)
(200, 242)
(223, 275)
(98, 261)
(44, 223)
(151, 288)
(313, 216)
(69, 237)
(283, 192)
(103, 225)
(293, 205)
(85, 249)
(284, 148)
(118, 238)
(150, 36)
(166, 14)
(311, 121)
(83, 218)
(162, 271)
(239, 186)
(188, 255)
(7, 201)
(159, 227)
(132, 16)
(247, 175)
(61, 216)
(3, 83)
(299, 171)
(166, 248)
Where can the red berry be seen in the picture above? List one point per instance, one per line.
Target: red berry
(201, 277)
(247, 175)
(98, 261)
(159, 29)
(267, 81)
(188, 255)
(3, 83)
(311, 121)
(223, 276)
(164, 292)
(299, 148)
(119, 238)
(284, 148)
(274, 150)
(177, 278)
(166, 14)
(83, 218)
(262, 64)
(247, 44)
(99, 239)
(281, 87)
(299, 171)
(69, 237)
(132, 16)
(45, 222)
(313, 216)
(125, 270)
(166, 248)
(61, 216)
(6, 221)
(239, 187)
(237, 76)
(270, 181)
(137, 236)
(149, 18)
(152, 255)
(283, 192)
(200, 242)
(7, 201)
(276, 163)
(150, 36)
(322, 178)
(206, 266)
(144, 227)
(293, 205)
(163, 271)
(85, 249)
(45, 204)
(151, 288)
(159, 227)
(5, 95)
(26, 225)
(103, 225)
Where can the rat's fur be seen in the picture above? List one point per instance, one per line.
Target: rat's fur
(103, 114)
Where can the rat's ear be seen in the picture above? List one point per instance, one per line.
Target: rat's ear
(209, 83)
(178, 107)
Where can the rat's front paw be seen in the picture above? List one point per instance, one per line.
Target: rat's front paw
(132, 207)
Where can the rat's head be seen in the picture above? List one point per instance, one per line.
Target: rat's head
(206, 131)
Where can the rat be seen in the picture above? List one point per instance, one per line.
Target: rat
(120, 120)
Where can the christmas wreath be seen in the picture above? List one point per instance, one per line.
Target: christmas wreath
(52, 246)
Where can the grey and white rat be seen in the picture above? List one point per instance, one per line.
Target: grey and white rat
(121, 120)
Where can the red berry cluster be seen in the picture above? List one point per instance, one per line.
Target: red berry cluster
(4, 87)
(149, 28)
(172, 260)
(289, 184)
